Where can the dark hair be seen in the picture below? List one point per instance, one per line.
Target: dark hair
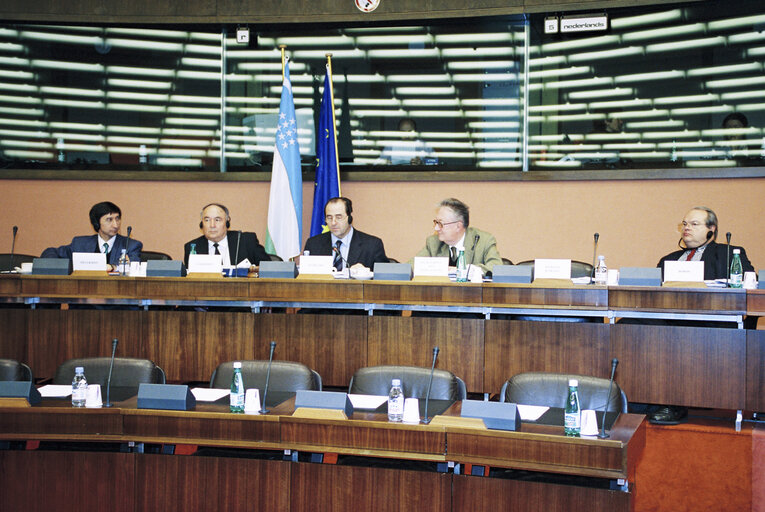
(228, 217)
(711, 219)
(460, 208)
(348, 207)
(738, 116)
(101, 209)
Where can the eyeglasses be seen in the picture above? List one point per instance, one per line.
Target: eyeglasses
(337, 218)
(440, 225)
(693, 224)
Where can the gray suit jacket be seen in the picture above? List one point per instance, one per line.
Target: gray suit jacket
(480, 249)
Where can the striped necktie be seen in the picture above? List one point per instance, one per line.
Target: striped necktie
(338, 261)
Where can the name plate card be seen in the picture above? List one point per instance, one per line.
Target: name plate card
(316, 264)
(684, 271)
(432, 267)
(552, 269)
(89, 261)
(205, 263)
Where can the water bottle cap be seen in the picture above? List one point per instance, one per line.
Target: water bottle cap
(396, 382)
(79, 369)
(573, 383)
(736, 251)
(237, 365)
(124, 251)
(601, 257)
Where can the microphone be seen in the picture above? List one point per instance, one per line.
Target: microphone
(596, 236)
(236, 254)
(263, 409)
(13, 248)
(472, 256)
(602, 434)
(426, 420)
(109, 378)
(727, 261)
(127, 244)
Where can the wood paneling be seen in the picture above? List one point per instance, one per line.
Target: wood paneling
(42, 481)
(307, 290)
(422, 293)
(686, 300)
(60, 420)
(13, 334)
(526, 296)
(410, 340)
(514, 346)
(755, 371)
(472, 493)
(691, 366)
(322, 487)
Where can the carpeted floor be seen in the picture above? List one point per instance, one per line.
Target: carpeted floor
(702, 465)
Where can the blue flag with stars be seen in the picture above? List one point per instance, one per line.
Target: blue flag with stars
(327, 184)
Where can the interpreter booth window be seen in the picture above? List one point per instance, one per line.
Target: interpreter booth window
(663, 87)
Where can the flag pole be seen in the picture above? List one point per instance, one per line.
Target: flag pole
(334, 122)
(282, 48)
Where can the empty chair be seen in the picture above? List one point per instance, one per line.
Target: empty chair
(376, 380)
(286, 376)
(154, 255)
(551, 390)
(10, 369)
(274, 257)
(506, 261)
(18, 259)
(127, 372)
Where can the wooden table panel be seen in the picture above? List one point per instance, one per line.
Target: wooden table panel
(411, 292)
(10, 285)
(685, 300)
(508, 295)
(515, 346)
(690, 366)
(755, 371)
(46, 481)
(79, 286)
(755, 302)
(307, 290)
(322, 487)
(13, 334)
(59, 421)
(190, 288)
(409, 341)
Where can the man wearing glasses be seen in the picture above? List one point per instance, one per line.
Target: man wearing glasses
(698, 242)
(454, 233)
(350, 247)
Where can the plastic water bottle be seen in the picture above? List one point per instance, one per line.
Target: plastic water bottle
(736, 270)
(193, 249)
(79, 387)
(601, 271)
(396, 401)
(572, 418)
(123, 265)
(462, 273)
(237, 389)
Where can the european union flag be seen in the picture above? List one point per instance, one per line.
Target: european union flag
(327, 184)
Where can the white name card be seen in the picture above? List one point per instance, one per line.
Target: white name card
(316, 264)
(552, 269)
(685, 271)
(205, 263)
(433, 267)
(89, 261)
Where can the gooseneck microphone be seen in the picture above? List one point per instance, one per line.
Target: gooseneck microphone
(13, 248)
(602, 434)
(109, 378)
(263, 409)
(236, 254)
(127, 245)
(727, 261)
(596, 236)
(472, 256)
(426, 420)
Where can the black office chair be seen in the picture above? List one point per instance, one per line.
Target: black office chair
(274, 257)
(285, 376)
(376, 380)
(154, 255)
(392, 260)
(18, 259)
(10, 369)
(506, 261)
(128, 372)
(578, 268)
(551, 390)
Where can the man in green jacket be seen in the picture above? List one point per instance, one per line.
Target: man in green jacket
(453, 232)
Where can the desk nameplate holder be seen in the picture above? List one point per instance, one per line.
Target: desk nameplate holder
(322, 405)
(18, 394)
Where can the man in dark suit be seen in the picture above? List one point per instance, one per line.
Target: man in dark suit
(106, 218)
(356, 248)
(698, 242)
(233, 246)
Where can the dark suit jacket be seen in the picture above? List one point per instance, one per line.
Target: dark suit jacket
(715, 260)
(365, 249)
(90, 244)
(249, 248)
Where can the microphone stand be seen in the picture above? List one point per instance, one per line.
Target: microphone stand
(594, 255)
(727, 261)
(13, 248)
(426, 420)
(127, 244)
(602, 434)
(109, 378)
(263, 409)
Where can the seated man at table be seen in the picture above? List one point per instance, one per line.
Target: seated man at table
(453, 232)
(698, 242)
(106, 218)
(232, 246)
(356, 248)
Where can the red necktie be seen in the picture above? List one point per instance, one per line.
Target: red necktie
(690, 255)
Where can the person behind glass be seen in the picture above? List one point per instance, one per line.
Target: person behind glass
(734, 125)
(357, 248)
(106, 218)
(453, 233)
(698, 242)
(410, 150)
(233, 246)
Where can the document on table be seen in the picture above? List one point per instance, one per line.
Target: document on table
(209, 395)
(531, 412)
(55, 390)
(367, 401)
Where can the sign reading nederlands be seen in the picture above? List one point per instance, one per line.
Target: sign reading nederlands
(367, 5)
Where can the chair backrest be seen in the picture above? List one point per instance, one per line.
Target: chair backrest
(285, 376)
(551, 390)
(578, 268)
(10, 369)
(375, 380)
(154, 255)
(506, 261)
(274, 257)
(128, 372)
(18, 259)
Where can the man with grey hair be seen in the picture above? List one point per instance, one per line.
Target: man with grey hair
(453, 232)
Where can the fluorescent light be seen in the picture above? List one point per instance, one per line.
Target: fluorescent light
(756, 52)
(207, 63)
(187, 121)
(483, 37)
(743, 21)
(621, 136)
(606, 54)
(557, 108)
(680, 134)
(751, 106)
(491, 102)
(735, 82)
(441, 102)
(24, 134)
(408, 53)
(176, 132)
(649, 125)
(270, 66)
(194, 111)
(20, 75)
(68, 65)
(203, 75)
(132, 140)
(547, 61)
(671, 31)
(144, 44)
(620, 104)
(168, 34)
(62, 38)
(426, 91)
(26, 144)
(601, 93)
(142, 130)
(726, 70)
(652, 155)
(743, 95)
(29, 155)
(76, 126)
(5, 86)
(709, 163)
(645, 77)
(574, 70)
(477, 64)
(74, 103)
(202, 48)
(13, 61)
(581, 43)
(500, 51)
(695, 98)
(685, 45)
(144, 84)
(482, 77)
(78, 136)
(336, 54)
(489, 125)
(322, 41)
(137, 107)
(22, 111)
(71, 91)
(499, 164)
(557, 164)
(182, 98)
(179, 162)
(124, 95)
(24, 122)
(129, 70)
(636, 146)
(585, 82)
(393, 40)
(646, 19)
(11, 47)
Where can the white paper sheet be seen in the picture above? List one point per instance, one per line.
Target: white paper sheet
(367, 401)
(209, 395)
(55, 390)
(531, 412)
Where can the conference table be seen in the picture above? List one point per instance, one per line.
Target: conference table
(125, 458)
(682, 346)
